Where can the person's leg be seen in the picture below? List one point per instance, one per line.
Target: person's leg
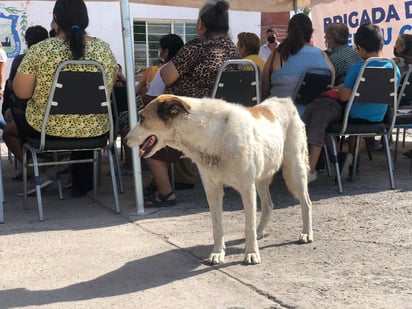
(82, 181)
(317, 117)
(160, 172)
(314, 154)
(12, 139)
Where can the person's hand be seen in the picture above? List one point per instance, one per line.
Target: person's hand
(1, 94)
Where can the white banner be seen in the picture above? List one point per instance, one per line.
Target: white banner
(393, 17)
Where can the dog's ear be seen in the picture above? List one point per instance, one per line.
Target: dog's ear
(172, 108)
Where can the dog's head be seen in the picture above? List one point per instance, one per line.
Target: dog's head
(155, 124)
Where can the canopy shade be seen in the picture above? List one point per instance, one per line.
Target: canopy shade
(237, 5)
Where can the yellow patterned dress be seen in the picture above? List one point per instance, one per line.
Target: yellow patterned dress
(42, 60)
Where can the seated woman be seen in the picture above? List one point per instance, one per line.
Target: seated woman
(403, 52)
(192, 72)
(170, 44)
(34, 79)
(294, 55)
(248, 44)
(33, 35)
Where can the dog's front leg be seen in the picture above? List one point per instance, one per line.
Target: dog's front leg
(214, 194)
(252, 255)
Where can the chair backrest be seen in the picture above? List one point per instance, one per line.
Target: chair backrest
(312, 83)
(235, 83)
(375, 85)
(76, 91)
(405, 89)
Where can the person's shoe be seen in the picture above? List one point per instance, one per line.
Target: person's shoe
(184, 186)
(46, 183)
(345, 162)
(312, 176)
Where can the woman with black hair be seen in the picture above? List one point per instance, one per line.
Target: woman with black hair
(291, 58)
(34, 79)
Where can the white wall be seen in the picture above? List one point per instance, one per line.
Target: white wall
(105, 22)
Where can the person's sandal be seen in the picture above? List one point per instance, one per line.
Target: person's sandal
(162, 202)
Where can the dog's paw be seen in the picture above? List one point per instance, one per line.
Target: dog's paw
(216, 258)
(252, 258)
(260, 235)
(305, 238)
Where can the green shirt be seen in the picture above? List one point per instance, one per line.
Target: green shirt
(42, 60)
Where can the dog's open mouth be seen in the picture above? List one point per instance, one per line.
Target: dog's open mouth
(147, 145)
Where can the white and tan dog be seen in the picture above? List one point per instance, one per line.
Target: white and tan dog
(235, 146)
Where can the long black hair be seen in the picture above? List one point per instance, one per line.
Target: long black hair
(299, 33)
(71, 17)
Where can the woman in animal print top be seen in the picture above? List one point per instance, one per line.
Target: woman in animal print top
(192, 72)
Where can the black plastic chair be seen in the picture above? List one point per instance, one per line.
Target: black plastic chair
(238, 81)
(74, 91)
(312, 83)
(377, 85)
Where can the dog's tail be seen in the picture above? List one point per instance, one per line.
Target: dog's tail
(295, 156)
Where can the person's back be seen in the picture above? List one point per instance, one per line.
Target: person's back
(284, 80)
(289, 61)
(369, 43)
(198, 63)
(42, 61)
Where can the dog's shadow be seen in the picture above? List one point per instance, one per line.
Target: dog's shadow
(139, 275)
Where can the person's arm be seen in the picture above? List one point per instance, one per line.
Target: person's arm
(23, 85)
(330, 65)
(344, 94)
(141, 87)
(2, 77)
(169, 73)
(272, 64)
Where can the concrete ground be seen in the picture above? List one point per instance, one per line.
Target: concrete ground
(85, 256)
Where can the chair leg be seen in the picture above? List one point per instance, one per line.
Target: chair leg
(172, 175)
(368, 149)
(395, 154)
(96, 167)
(58, 176)
(389, 161)
(336, 163)
(36, 180)
(114, 184)
(355, 158)
(404, 136)
(327, 160)
(118, 168)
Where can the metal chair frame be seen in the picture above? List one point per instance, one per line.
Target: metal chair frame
(377, 85)
(91, 101)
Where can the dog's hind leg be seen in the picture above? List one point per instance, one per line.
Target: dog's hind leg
(214, 195)
(295, 169)
(252, 255)
(294, 173)
(262, 188)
